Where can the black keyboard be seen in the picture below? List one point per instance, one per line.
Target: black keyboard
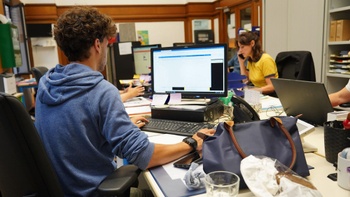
(175, 127)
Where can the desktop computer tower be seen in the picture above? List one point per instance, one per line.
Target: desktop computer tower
(206, 113)
(8, 83)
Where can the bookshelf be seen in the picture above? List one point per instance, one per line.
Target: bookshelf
(337, 44)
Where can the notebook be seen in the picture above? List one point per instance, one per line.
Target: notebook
(303, 97)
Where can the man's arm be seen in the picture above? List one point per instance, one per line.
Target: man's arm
(342, 96)
(166, 153)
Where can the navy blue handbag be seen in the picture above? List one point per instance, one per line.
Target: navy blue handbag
(277, 137)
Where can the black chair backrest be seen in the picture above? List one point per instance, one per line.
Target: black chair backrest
(25, 169)
(38, 72)
(296, 65)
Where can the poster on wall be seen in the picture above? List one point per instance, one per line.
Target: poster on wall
(142, 36)
(201, 24)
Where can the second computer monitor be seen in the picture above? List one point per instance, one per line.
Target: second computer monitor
(180, 44)
(142, 58)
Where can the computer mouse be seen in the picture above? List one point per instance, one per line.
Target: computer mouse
(345, 105)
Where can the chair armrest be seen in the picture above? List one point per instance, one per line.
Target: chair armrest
(119, 182)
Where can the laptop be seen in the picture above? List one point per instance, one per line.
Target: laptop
(303, 97)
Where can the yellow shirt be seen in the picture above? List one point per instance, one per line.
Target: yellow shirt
(258, 71)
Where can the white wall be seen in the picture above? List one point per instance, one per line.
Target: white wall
(165, 33)
(216, 30)
(44, 52)
(294, 25)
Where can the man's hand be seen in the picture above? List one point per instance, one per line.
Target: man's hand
(139, 121)
(200, 136)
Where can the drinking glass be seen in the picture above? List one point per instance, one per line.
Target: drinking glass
(221, 184)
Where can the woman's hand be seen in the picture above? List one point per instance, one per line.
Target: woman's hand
(131, 92)
(136, 91)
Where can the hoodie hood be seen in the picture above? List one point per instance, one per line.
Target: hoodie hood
(64, 82)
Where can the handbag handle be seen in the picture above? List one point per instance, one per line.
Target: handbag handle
(228, 126)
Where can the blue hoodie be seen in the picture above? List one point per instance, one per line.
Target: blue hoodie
(83, 125)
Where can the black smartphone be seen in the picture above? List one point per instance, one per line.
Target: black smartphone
(185, 162)
(241, 56)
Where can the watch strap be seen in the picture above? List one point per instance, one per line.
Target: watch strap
(192, 142)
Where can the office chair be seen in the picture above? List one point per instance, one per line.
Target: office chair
(38, 72)
(25, 168)
(296, 65)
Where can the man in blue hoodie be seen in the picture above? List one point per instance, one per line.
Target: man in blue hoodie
(80, 116)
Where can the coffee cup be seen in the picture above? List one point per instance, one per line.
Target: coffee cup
(343, 172)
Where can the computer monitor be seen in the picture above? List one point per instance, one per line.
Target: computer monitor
(198, 71)
(203, 36)
(142, 58)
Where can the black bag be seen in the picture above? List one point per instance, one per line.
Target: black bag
(277, 137)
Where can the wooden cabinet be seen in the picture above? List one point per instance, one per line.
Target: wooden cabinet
(337, 44)
(240, 14)
(246, 14)
(138, 14)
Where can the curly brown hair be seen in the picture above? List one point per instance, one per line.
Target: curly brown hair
(245, 38)
(78, 28)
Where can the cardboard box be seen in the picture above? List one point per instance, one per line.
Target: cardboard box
(333, 30)
(343, 30)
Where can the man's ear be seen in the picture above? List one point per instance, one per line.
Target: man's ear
(98, 45)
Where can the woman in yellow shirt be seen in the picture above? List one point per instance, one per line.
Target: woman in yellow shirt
(261, 66)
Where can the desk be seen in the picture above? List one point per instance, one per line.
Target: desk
(318, 175)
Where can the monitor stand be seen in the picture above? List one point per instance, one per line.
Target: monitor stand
(308, 148)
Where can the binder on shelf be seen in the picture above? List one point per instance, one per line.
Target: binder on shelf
(10, 52)
(332, 31)
(343, 30)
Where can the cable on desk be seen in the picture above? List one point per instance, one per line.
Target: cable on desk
(274, 110)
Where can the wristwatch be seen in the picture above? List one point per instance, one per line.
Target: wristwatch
(192, 142)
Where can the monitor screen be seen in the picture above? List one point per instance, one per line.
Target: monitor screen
(196, 71)
(142, 58)
(39, 30)
(204, 36)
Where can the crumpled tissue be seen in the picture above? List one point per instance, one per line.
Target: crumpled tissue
(194, 177)
(267, 177)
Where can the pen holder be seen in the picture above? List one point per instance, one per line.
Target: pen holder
(335, 139)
